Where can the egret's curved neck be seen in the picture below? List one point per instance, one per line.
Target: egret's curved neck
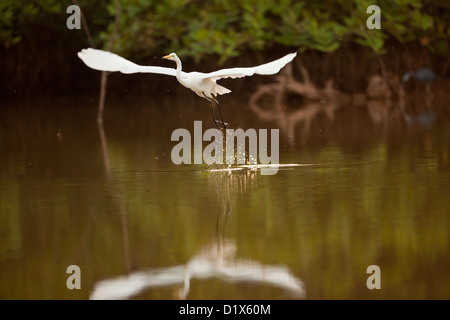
(178, 62)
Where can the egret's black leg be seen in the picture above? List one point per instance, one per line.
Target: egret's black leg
(225, 125)
(212, 112)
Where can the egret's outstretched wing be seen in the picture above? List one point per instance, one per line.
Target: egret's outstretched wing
(264, 69)
(107, 61)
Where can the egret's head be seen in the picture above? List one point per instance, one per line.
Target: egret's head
(171, 56)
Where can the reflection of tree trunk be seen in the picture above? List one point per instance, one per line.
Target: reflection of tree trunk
(125, 242)
(104, 145)
(101, 102)
(116, 197)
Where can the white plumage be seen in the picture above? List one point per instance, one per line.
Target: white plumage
(203, 84)
(108, 61)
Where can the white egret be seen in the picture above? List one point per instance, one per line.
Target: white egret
(203, 84)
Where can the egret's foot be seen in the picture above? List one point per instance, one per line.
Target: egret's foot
(218, 125)
(223, 127)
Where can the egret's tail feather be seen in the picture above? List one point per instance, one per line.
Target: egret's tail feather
(219, 90)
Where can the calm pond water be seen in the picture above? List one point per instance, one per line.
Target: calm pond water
(365, 189)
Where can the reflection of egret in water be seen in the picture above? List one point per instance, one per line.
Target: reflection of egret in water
(229, 186)
(209, 262)
(423, 117)
(215, 259)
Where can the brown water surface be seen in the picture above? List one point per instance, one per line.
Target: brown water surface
(365, 189)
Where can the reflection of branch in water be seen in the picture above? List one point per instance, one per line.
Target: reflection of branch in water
(115, 195)
(325, 100)
(377, 99)
(211, 261)
(101, 132)
(416, 107)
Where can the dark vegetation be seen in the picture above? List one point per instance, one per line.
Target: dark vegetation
(38, 51)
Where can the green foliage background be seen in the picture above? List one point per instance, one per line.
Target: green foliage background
(229, 28)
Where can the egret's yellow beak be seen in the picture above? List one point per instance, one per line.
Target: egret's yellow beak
(168, 56)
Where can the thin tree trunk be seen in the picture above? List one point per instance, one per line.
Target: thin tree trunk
(85, 26)
(104, 77)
